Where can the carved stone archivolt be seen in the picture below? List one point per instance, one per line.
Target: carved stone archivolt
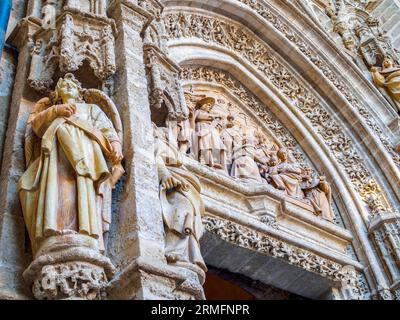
(311, 53)
(240, 40)
(253, 240)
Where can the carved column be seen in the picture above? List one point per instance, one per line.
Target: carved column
(138, 243)
(13, 252)
(384, 230)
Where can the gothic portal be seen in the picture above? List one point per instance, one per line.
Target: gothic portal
(227, 149)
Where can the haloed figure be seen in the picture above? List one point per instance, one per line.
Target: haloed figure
(73, 154)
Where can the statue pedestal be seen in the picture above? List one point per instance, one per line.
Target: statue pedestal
(146, 279)
(69, 267)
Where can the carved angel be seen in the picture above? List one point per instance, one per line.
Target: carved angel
(73, 151)
(389, 78)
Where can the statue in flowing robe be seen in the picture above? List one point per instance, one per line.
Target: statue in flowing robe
(186, 132)
(319, 193)
(73, 151)
(288, 175)
(244, 166)
(182, 207)
(208, 146)
(265, 150)
(389, 78)
(270, 173)
(231, 136)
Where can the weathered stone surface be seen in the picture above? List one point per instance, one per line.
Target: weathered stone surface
(279, 75)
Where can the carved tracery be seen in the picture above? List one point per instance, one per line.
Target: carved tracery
(255, 149)
(70, 36)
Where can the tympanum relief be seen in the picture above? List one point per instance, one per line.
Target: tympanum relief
(220, 135)
(242, 42)
(73, 151)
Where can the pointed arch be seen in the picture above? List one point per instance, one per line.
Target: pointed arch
(344, 134)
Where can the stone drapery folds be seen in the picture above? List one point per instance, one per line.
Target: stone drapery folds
(219, 165)
(73, 157)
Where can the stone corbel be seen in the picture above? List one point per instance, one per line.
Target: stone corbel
(69, 267)
(350, 287)
(182, 283)
(23, 32)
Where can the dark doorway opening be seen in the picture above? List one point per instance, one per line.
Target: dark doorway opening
(224, 285)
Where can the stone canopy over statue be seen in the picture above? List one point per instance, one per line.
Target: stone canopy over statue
(73, 153)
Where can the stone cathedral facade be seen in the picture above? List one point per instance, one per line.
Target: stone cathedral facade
(193, 149)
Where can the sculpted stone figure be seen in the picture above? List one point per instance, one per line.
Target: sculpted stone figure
(208, 145)
(270, 172)
(73, 155)
(244, 166)
(231, 136)
(288, 175)
(186, 132)
(264, 151)
(389, 78)
(182, 207)
(319, 193)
